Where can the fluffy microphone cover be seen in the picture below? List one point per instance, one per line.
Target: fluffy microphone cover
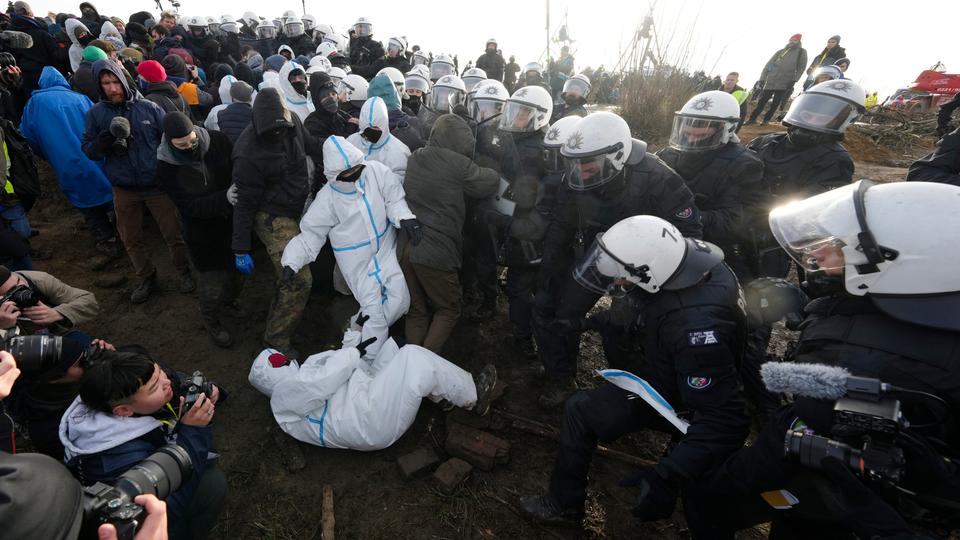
(811, 380)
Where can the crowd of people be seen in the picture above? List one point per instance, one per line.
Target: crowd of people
(390, 175)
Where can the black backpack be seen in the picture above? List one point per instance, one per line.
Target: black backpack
(23, 166)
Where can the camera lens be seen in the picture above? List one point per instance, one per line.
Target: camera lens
(811, 449)
(35, 353)
(160, 474)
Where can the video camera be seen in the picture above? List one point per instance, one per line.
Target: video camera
(160, 474)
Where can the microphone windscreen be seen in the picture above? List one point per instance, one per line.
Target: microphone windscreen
(811, 380)
(120, 127)
(16, 40)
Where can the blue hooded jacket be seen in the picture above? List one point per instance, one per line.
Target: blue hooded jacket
(136, 168)
(53, 125)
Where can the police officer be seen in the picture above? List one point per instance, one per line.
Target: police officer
(491, 61)
(693, 324)
(295, 37)
(610, 176)
(892, 316)
(364, 50)
(944, 123)
(576, 89)
(942, 165)
(448, 92)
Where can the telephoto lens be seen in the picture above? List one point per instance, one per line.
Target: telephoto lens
(35, 353)
(810, 449)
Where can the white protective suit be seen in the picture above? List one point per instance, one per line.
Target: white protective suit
(337, 400)
(212, 122)
(271, 79)
(361, 219)
(76, 50)
(302, 106)
(388, 150)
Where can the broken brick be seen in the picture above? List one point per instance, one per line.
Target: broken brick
(418, 463)
(451, 474)
(479, 448)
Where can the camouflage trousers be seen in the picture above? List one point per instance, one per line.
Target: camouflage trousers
(288, 303)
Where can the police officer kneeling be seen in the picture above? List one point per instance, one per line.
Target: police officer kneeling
(893, 316)
(692, 332)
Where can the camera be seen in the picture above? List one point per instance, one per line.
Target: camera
(873, 459)
(192, 387)
(160, 474)
(35, 353)
(23, 296)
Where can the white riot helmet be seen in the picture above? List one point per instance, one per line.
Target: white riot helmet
(287, 15)
(487, 102)
(705, 122)
(646, 252)
(227, 19)
(472, 76)
(533, 66)
(195, 22)
(894, 243)
(336, 75)
(826, 73)
(213, 23)
(447, 93)
(397, 44)
(396, 78)
(417, 79)
(309, 23)
(325, 49)
(250, 19)
(363, 27)
(353, 88)
(527, 110)
(578, 85)
(553, 141)
(442, 66)
(292, 27)
(828, 107)
(323, 30)
(491, 40)
(319, 63)
(266, 30)
(597, 150)
(420, 58)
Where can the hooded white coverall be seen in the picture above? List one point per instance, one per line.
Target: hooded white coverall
(298, 104)
(388, 150)
(337, 400)
(361, 220)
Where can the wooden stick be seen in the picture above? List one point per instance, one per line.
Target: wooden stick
(328, 520)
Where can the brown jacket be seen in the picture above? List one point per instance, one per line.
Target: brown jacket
(76, 305)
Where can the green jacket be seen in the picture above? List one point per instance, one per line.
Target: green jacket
(439, 176)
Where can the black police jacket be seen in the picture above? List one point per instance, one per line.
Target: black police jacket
(791, 172)
(727, 184)
(942, 165)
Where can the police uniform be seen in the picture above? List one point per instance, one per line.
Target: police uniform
(692, 340)
(646, 186)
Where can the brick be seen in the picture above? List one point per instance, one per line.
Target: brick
(451, 474)
(479, 448)
(418, 463)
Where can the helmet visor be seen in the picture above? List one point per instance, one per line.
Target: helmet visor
(589, 172)
(576, 87)
(420, 60)
(553, 161)
(603, 273)
(416, 83)
(266, 32)
(690, 134)
(363, 29)
(470, 82)
(809, 231)
(441, 69)
(293, 29)
(485, 109)
(519, 117)
(444, 98)
(821, 113)
(308, 25)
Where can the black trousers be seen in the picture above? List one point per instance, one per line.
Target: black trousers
(560, 298)
(521, 288)
(778, 97)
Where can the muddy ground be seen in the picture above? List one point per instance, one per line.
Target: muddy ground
(266, 500)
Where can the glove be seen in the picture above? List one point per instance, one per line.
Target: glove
(361, 318)
(412, 228)
(658, 495)
(244, 263)
(362, 346)
(232, 195)
(864, 513)
(286, 276)
(105, 142)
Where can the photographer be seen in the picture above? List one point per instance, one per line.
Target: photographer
(31, 302)
(891, 317)
(31, 485)
(128, 408)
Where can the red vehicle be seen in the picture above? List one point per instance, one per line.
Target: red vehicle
(931, 89)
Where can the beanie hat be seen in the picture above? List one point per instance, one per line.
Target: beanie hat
(175, 65)
(132, 54)
(35, 487)
(274, 62)
(152, 71)
(835, 38)
(176, 125)
(241, 92)
(92, 54)
(4, 274)
(796, 37)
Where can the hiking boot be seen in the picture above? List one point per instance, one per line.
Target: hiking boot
(221, 338)
(542, 509)
(187, 284)
(485, 311)
(526, 347)
(555, 392)
(142, 292)
(485, 382)
(111, 248)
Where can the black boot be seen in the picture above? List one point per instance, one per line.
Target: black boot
(541, 508)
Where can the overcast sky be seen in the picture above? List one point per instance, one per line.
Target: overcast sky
(887, 43)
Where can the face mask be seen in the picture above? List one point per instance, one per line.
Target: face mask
(330, 103)
(300, 87)
(85, 40)
(804, 138)
(351, 175)
(372, 135)
(189, 151)
(573, 101)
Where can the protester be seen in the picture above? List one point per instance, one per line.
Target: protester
(32, 60)
(781, 73)
(375, 140)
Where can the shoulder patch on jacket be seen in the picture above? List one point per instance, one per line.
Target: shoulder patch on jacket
(702, 338)
(699, 383)
(685, 213)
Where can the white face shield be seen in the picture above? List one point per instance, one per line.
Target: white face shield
(603, 273)
(439, 70)
(363, 29)
(470, 82)
(520, 117)
(692, 134)
(416, 83)
(576, 87)
(293, 29)
(266, 32)
(822, 113)
(591, 171)
(482, 110)
(443, 99)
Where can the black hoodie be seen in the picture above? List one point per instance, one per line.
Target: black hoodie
(322, 124)
(271, 175)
